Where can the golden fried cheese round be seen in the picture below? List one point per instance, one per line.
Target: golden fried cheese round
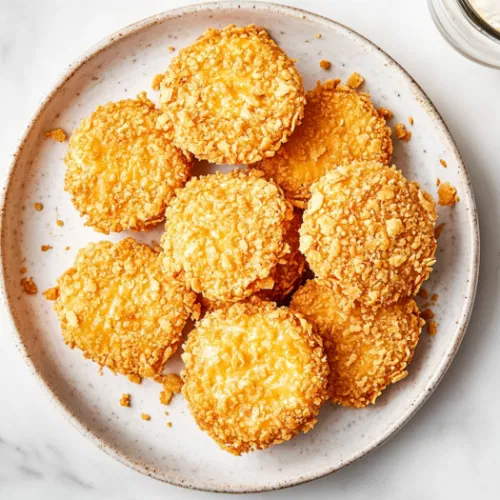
(368, 347)
(225, 233)
(371, 231)
(340, 125)
(117, 306)
(256, 375)
(233, 96)
(122, 171)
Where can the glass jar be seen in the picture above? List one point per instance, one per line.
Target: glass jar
(473, 32)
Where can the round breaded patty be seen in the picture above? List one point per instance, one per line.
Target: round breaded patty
(340, 125)
(371, 231)
(368, 347)
(122, 171)
(117, 306)
(225, 233)
(233, 96)
(256, 375)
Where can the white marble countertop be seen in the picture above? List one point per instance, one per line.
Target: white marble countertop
(451, 449)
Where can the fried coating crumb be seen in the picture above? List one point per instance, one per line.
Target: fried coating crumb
(371, 231)
(155, 84)
(23, 270)
(46, 248)
(432, 327)
(51, 293)
(355, 80)
(340, 125)
(60, 223)
(57, 134)
(447, 195)
(367, 348)
(233, 96)
(118, 307)
(411, 120)
(427, 314)
(135, 379)
(423, 293)
(318, 35)
(172, 384)
(385, 113)
(38, 207)
(122, 171)
(435, 297)
(443, 163)
(324, 64)
(439, 230)
(29, 286)
(275, 375)
(225, 233)
(401, 132)
(169, 424)
(67, 248)
(438, 181)
(171, 48)
(125, 400)
(145, 416)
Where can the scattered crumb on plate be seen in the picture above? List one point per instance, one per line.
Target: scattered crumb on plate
(438, 230)
(432, 327)
(171, 48)
(438, 181)
(423, 293)
(447, 195)
(402, 133)
(145, 416)
(411, 121)
(172, 384)
(125, 400)
(155, 84)
(29, 286)
(23, 270)
(57, 134)
(434, 297)
(38, 206)
(443, 163)
(427, 314)
(46, 248)
(355, 80)
(51, 293)
(60, 223)
(318, 35)
(324, 64)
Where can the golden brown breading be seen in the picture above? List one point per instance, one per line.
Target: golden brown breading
(368, 347)
(447, 195)
(117, 306)
(225, 233)
(256, 375)
(57, 134)
(233, 96)
(340, 125)
(123, 171)
(371, 231)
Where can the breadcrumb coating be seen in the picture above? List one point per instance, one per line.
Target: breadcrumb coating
(57, 134)
(256, 375)
(368, 347)
(355, 80)
(447, 195)
(371, 231)
(118, 307)
(29, 286)
(122, 171)
(233, 96)
(225, 233)
(172, 384)
(401, 132)
(340, 125)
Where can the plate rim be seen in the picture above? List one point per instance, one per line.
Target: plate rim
(462, 324)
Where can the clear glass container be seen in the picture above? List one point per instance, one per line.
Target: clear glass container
(471, 31)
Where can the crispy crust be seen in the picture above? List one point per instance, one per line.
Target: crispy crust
(340, 125)
(256, 375)
(368, 347)
(122, 171)
(233, 96)
(225, 233)
(371, 231)
(117, 306)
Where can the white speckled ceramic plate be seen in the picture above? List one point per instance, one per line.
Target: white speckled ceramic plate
(120, 67)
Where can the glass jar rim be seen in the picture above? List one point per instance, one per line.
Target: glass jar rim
(479, 23)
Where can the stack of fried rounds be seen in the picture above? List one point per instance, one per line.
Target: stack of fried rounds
(320, 193)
